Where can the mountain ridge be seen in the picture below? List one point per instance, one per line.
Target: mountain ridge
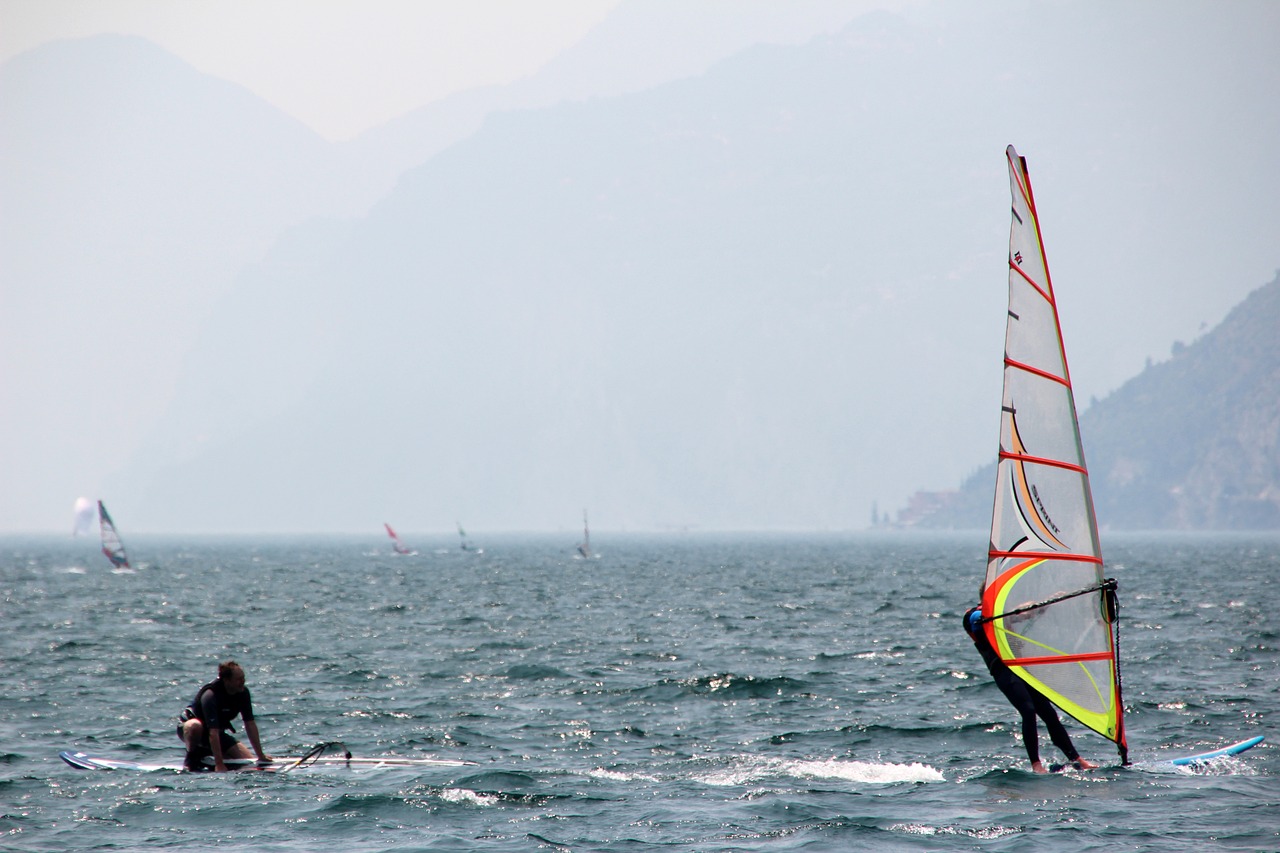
(749, 299)
(1190, 443)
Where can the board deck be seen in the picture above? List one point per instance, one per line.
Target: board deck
(1233, 749)
(84, 761)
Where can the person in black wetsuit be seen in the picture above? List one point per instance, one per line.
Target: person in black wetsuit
(1028, 701)
(204, 723)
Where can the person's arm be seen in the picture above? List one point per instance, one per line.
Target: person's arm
(213, 728)
(215, 746)
(251, 729)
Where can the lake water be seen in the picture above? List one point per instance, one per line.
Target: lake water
(681, 692)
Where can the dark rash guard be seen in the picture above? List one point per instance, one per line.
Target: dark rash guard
(1028, 701)
(216, 708)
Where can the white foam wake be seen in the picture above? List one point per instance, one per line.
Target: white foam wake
(865, 772)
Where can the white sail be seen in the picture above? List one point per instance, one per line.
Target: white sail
(1048, 610)
(86, 513)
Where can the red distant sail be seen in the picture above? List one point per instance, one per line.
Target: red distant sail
(111, 544)
(395, 541)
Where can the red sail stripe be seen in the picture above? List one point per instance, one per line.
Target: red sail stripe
(1038, 460)
(1060, 659)
(1047, 555)
(1008, 362)
(1047, 297)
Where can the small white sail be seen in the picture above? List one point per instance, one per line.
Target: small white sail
(86, 513)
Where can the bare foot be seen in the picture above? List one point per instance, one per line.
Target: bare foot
(1038, 767)
(1084, 764)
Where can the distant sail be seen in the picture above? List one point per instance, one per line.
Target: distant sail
(111, 544)
(462, 535)
(86, 513)
(395, 541)
(1047, 609)
(584, 547)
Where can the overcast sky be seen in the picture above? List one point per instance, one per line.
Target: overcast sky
(137, 220)
(344, 66)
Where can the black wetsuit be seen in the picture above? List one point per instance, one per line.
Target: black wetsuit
(216, 708)
(1028, 701)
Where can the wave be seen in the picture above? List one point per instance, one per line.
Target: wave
(726, 686)
(746, 771)
(534, 672)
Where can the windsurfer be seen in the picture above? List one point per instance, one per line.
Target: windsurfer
(204, 723)
(1027, 700)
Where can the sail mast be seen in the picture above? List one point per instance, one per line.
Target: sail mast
(1050, 613)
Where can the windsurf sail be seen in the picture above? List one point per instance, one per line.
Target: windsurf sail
(462, 535)
(1048, 610)
(85, 514)
(396, 544)
(111, 544)
(584, 547)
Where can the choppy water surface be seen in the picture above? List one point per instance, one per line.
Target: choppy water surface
(699, 693)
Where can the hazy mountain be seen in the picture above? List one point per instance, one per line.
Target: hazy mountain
(639, 45)
(134, 190)
(763, 297)
(1191, 443)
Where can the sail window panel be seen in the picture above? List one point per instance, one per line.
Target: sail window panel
(1083, 684)
(1072, 626)
(1038, 418)
(1031, 336)
(1040, 506)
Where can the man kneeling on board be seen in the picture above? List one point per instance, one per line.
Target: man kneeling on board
(1026, 699)
(204, 723)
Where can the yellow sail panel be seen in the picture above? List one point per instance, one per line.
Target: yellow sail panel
(1062, 645)
(1044, 590)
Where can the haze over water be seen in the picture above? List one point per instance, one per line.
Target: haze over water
(701, 693)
